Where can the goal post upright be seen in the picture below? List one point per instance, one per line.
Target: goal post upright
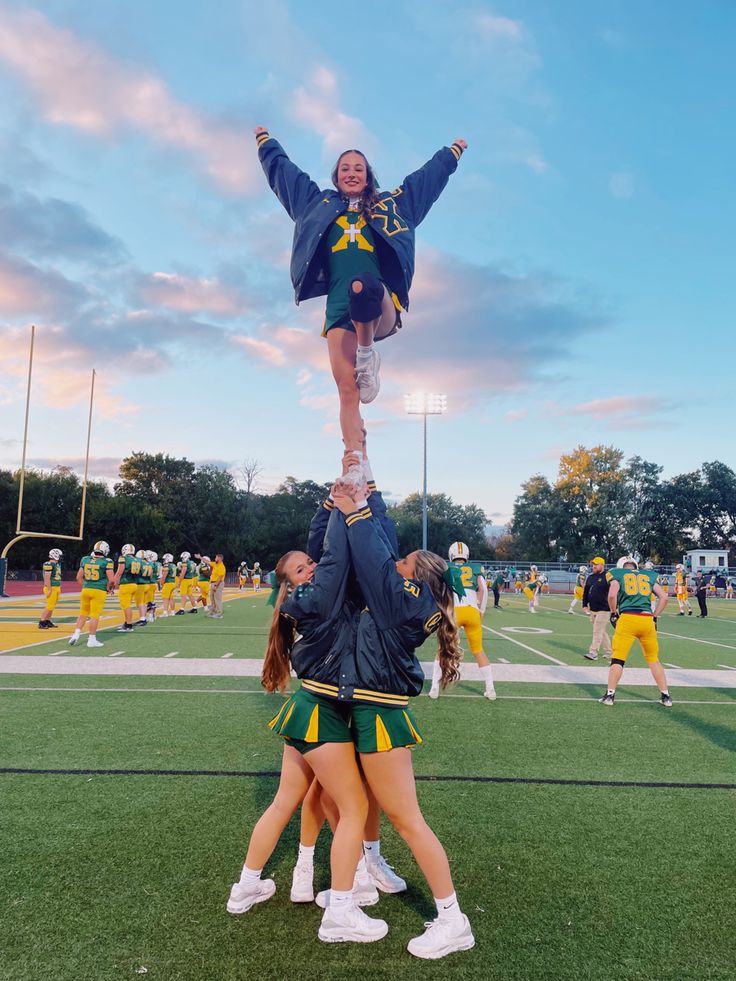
(20, 534)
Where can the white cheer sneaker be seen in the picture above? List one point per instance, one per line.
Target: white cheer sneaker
(350, 924)
(442, 937)
(242, 898)
(366, 376)
(384, 876)
(302, 884)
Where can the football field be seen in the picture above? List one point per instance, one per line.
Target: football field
(585, 841)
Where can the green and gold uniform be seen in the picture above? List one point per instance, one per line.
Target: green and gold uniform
(169, 582)
(54, 589)
(351, 250)
(144, 581)
(128, 580)
(205, 571)
(635, 606)
(94, 588)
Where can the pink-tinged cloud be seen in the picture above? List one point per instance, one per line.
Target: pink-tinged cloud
(499, 27)
(316, 106)
(29, 290)
(191, 294)
(513, 415)
(261, 350)
(625, 411)
(81, 86)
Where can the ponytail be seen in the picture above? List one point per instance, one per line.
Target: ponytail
(276, 672)
(430, 568)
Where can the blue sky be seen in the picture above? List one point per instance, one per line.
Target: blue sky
(574, 281)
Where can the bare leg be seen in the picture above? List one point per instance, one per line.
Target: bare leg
(391, 778)
(342, 345)
(614, 676)
(658, 674)
(313, 815)
(296, 777)
(335, 767)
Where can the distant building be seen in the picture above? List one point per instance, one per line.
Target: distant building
(705, 560)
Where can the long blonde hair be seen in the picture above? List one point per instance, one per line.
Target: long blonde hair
(276, 671)
(430, 569)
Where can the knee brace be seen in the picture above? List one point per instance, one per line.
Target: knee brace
(617, 660)
(366, 305)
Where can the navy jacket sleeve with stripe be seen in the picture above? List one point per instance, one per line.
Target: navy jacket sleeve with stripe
(323, 597)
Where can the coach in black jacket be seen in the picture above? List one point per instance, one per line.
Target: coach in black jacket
(595, 603)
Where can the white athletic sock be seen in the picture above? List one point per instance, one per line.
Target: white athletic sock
(486, 673)
(340, 901)
(611, 691)
(363, 353)
(306, 855)
(76, 633)
(436, 674)
(372, 850)
(572, 604)
(449, 908)
(248, 877)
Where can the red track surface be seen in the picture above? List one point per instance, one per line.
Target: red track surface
(13, 588)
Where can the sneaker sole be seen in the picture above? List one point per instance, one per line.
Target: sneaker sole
(390, 891)
(337, 936)
(301, 897)
(436, 955)
(371, 901)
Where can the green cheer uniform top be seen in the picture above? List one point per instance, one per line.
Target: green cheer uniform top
(351, 250)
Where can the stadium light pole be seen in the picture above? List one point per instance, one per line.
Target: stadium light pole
(425, 404)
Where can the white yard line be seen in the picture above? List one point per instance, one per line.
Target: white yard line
(171, 654)
(668, 665)
(697, 640)
(116, 653)
(229, 654)
(55, 653)
(526, 647)
(503, 660)
(728, 667)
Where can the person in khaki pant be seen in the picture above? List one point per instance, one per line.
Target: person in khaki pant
(595, 603)
(217, 587)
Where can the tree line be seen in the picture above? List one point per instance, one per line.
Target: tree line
(601, 503)
(169, 504)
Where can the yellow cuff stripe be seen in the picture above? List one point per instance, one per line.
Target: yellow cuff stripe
(456, 150)
(262, 138)
(358, 516)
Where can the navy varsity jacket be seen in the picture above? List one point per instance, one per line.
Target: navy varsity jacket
(394, 218)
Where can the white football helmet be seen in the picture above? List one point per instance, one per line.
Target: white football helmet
(140, 554)
(206, 560)
(648, 565)
(256, 565)
(680, 567)
(533, 568)
(153, 556)
(127, 550)
(168, 557)
(55, 554)
(102, 547)
(627, 560)
(148, 555)
(458, 552)
(583, 568)
(185, 556)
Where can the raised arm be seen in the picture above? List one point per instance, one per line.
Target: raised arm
(325, 593)
(294, 188)
(421, 189)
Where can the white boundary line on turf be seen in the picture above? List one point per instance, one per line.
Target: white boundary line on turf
(479, 696)
(547, 657)
(697, 640)
(729, 667)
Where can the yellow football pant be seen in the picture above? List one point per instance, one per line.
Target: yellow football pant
(469, 618)
(52, 597)
(631, 627)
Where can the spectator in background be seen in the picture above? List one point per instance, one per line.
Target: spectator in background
(595, 603)
(701, 590)
(496, 586)
(217, 587)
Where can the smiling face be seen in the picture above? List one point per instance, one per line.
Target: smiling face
(407, 566)
(299, 568)
(352, 174)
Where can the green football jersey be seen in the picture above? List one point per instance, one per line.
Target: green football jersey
(170, 570)
(145, 574)
(635, 589)
(54, 568)
(205, 571)
(131, 569)
(350, 251)
(95, 569)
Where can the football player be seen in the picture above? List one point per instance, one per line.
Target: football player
(729, 587)
(96, 576)
(681, 590)
(469, 610)
(167, 582)
(255, 574)
(144, 581)
(243, 575)
(629, 600)
(51, 587)
(186, 569)
(126, 582)
(579, 587)
(532, 587)
(205, 571)
(152, 557)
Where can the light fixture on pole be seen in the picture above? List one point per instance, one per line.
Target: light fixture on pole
(425, 404)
